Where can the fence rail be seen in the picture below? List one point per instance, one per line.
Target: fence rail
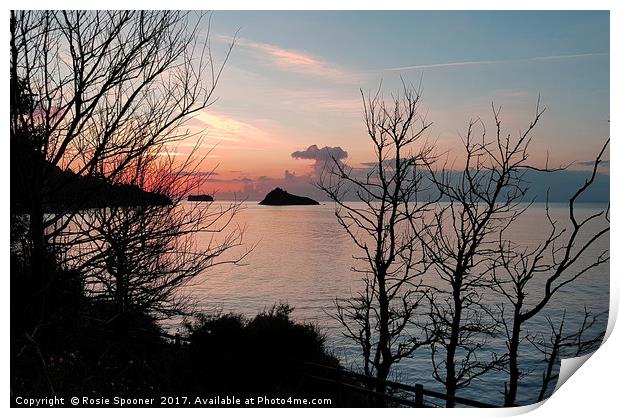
(365, 384)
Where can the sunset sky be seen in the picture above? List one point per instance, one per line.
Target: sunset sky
(294, 79)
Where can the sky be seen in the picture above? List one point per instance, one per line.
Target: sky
(292, 85)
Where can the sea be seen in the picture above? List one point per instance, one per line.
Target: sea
(301, 256)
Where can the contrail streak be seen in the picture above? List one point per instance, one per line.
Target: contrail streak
(487, 62)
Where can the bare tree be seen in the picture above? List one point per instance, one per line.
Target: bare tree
(103, 88)
(562, 343)
(481, 200)
(551, 265)
(393, 196)
(139, 257)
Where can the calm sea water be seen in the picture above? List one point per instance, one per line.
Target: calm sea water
(303, 257)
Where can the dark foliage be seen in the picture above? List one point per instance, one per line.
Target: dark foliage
(263, 354)
(89, 349)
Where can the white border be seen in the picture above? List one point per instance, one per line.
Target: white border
(592, 391)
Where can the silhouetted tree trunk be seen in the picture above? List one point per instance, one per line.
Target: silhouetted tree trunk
(384, 319)
(551, 265)
(481, 200)
(514, 374)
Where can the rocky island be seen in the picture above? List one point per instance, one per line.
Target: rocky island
(200, 198)
(280, 197)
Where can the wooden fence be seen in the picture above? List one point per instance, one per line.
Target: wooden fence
(395, 393)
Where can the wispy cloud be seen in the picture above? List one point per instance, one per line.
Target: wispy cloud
(295, 61)
(229, 132)
(490, 62)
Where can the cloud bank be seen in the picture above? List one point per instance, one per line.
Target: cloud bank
(324, 158)
(313, 152)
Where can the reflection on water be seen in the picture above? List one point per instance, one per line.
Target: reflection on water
(304, 258)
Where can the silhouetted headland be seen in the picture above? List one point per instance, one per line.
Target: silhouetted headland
(280, 197)
(200, 198)
(65, 190)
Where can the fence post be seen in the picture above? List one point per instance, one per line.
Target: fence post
(419, 394)
(339, 384)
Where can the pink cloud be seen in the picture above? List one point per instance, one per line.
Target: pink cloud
(296, 61)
